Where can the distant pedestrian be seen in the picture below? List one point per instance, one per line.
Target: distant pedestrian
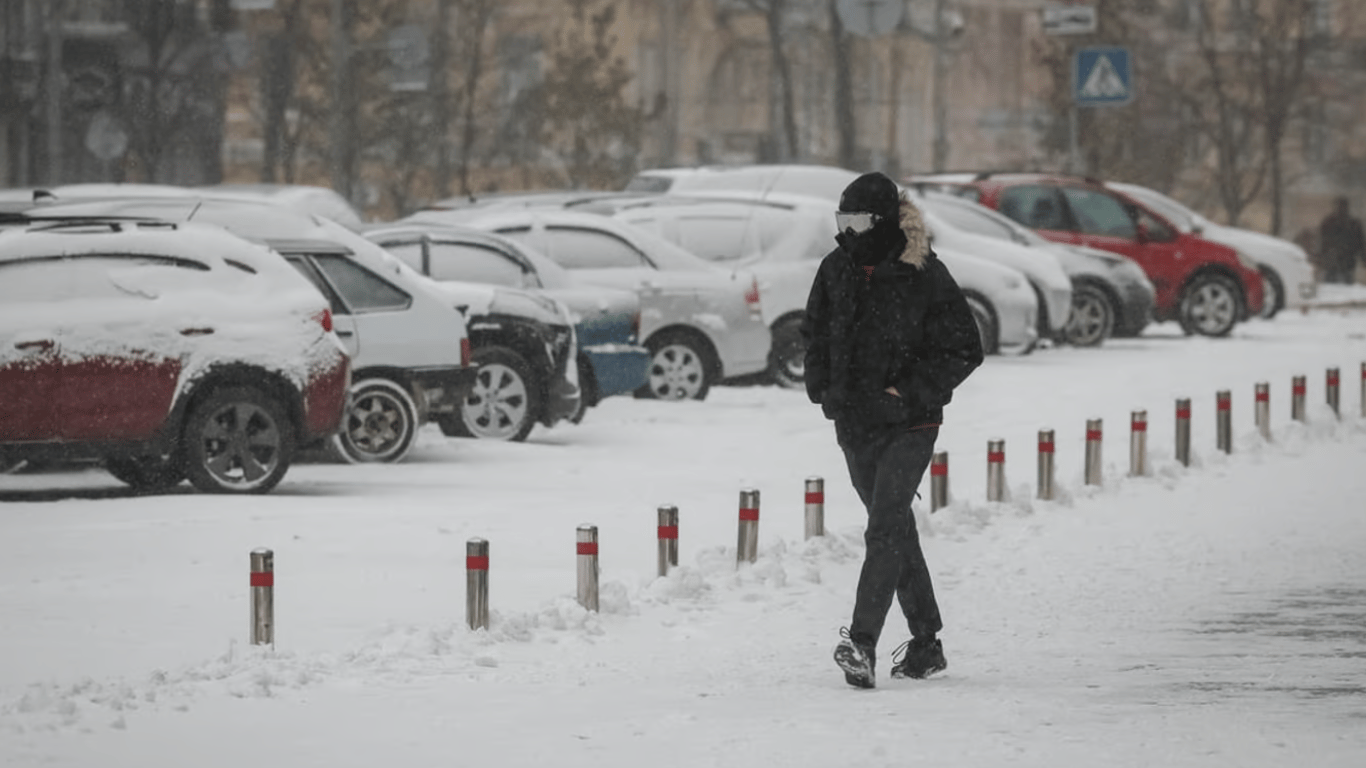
(888, 337)
(1341, 244)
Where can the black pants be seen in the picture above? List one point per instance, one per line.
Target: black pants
(886, 471)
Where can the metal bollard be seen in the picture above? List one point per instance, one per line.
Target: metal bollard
(815, 507)
(939, 481)
(1138, 444)
(1297, 390)
(588, 566)
(1183, 432)
(996, 470)
(1046, 464)
(1093, 473)
(263, 597)
(477, 583)
(747, 537)
(1223, 417)
(1363, 390)
(668, 538)
(1333, 392)
(1262, 394)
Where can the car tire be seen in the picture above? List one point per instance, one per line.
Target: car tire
(147, 473)
(1273, 294)
(237, 440)
(986, 322)
(504, 403)
(380, 425)
(1093, 317)
(1210, 306)
(680, 367)
(787, 356)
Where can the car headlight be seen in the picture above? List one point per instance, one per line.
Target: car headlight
(1247, 261)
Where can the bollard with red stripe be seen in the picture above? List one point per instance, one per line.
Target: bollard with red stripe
(747, 537)
(1262, 395)
(996, 470)
(263, 597)
(1333, 392)
(587, 548)
(939, 480)
(815, 507)
(1138, 444)
(477, 583)
(1093, 437)
(1046, 464)
(668, 538)
(1223, 416)
(1183, 431)
(1297, 392)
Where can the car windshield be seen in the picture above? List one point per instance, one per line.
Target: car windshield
(1167, 208)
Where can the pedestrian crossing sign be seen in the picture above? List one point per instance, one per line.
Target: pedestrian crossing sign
(1102, 76)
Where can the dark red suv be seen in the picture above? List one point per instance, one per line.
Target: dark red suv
(1205, 286)
(165, 351)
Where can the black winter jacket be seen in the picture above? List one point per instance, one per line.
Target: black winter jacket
(909, 327)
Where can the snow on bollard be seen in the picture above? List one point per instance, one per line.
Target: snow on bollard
(668, 538)
(262, 597)
(1223, 415)
(477, 583)
(1183, 432)
(1138, 444)
(1297, 391)
(939, 481)
(1262, 394)
(1046, 464)
(996, 470)
(1333, 392)
(747, 535)
(815, 507)
(1093, 452)
(588, 566)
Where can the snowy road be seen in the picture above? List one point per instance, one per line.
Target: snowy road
(1199, 617)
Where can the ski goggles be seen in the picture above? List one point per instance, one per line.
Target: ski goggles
(855, 223)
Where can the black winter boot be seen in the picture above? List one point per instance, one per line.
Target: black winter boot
(920, 658)
(857, 659)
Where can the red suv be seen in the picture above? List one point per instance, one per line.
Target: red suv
(167, 351)
(1205, 286)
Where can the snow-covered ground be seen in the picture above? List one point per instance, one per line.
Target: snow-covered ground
(1207, 616)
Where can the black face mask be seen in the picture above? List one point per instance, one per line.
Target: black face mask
(873, 247)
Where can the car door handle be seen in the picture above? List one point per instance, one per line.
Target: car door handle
(345, 333)
(196, 331)
(38, 344)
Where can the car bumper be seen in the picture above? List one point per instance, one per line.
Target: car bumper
(325, 398)
(442, 389)
(1136, 308)
(743, 347)
(617, 368)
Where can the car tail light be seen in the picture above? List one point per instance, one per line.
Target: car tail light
(752, 295)
(324, 319)
(466, 354)
(635, 324)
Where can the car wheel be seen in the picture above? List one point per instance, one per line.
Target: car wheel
(237, 440)
(505, 400)
(380, 425)
(679, 368)
(147, 473)
(1093, 317)
(1210, 306)
(787, 358)
(986, 323)
(1273, 294)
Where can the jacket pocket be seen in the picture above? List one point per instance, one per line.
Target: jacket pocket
(886, 408)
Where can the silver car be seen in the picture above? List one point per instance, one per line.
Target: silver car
(700, 322)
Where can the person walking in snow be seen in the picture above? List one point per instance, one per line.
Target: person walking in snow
(888, 337)
(1341, 244)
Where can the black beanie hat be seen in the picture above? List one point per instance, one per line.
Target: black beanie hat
(872, 193)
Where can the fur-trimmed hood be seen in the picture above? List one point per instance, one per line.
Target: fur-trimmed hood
(917, 248)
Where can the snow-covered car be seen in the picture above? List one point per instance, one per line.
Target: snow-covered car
(823, 181)
(300, 198)
(606, 320)
(700, 322)
(165, 350)
(1110, 292)
(1287, 274)
(411, 357)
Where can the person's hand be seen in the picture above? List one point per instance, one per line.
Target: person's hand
(892, 391)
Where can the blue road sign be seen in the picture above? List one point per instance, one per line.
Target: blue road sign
(1102, 77)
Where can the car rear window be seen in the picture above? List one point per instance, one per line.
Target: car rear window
(1036, 206)
(575, 248)
(362, 290)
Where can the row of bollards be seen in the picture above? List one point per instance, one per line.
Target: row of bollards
(262, 561)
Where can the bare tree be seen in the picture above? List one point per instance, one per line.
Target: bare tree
(784, 128)
(476, 15)
(845, 126)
